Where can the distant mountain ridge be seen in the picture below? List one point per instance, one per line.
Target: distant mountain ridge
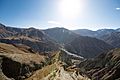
(97, 34)
(110, 36)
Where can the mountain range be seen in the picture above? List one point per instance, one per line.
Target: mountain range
(110, 36)
(53, 39)
(59, 54)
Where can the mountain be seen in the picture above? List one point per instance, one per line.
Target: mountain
(57, 54)
(104, 67)
(96, 34)
(4, 32)
(110, 36)
(53, 39)
(34, 38)
(83, 46)
(18, 62)
(87, 47)
(112, 39)
(85, 32)
(61, 35)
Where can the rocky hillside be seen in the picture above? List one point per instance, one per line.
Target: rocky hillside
(19, 62)
(4, 32)
(57, 54)
(62, 68)
(104, 67)
(57, 72)
(112, 39)
(87, 47)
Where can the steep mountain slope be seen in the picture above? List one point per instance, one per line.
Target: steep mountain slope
(30, 32)
(104, 67)
(61, 69)
(4, 32)
(22, 64)
(87, 47)
(113, 39)
(34, 38)
(61, 35)
(18, 63)
(57, 72)
(19, 58)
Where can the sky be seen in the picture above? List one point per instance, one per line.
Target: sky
(71, 14)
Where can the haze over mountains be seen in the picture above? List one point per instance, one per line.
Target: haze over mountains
(52, 53)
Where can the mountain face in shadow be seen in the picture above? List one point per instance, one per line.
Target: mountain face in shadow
(87, 47)
(61, 35)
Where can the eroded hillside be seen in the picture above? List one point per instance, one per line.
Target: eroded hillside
(23, 63)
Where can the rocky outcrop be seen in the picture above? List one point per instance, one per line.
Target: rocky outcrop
(61, 74)
(61, 66)
(103, 67)
(17, 64)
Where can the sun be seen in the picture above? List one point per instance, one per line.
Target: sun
(70, 8)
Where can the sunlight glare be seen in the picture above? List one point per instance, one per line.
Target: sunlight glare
(70, 8)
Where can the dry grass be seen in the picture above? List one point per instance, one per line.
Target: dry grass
(18, 55)
(7, 48)
(24, 38)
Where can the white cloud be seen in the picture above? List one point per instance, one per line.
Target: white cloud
(53, 22)
(117, 8)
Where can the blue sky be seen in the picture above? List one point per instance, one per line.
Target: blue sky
(42, 14)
